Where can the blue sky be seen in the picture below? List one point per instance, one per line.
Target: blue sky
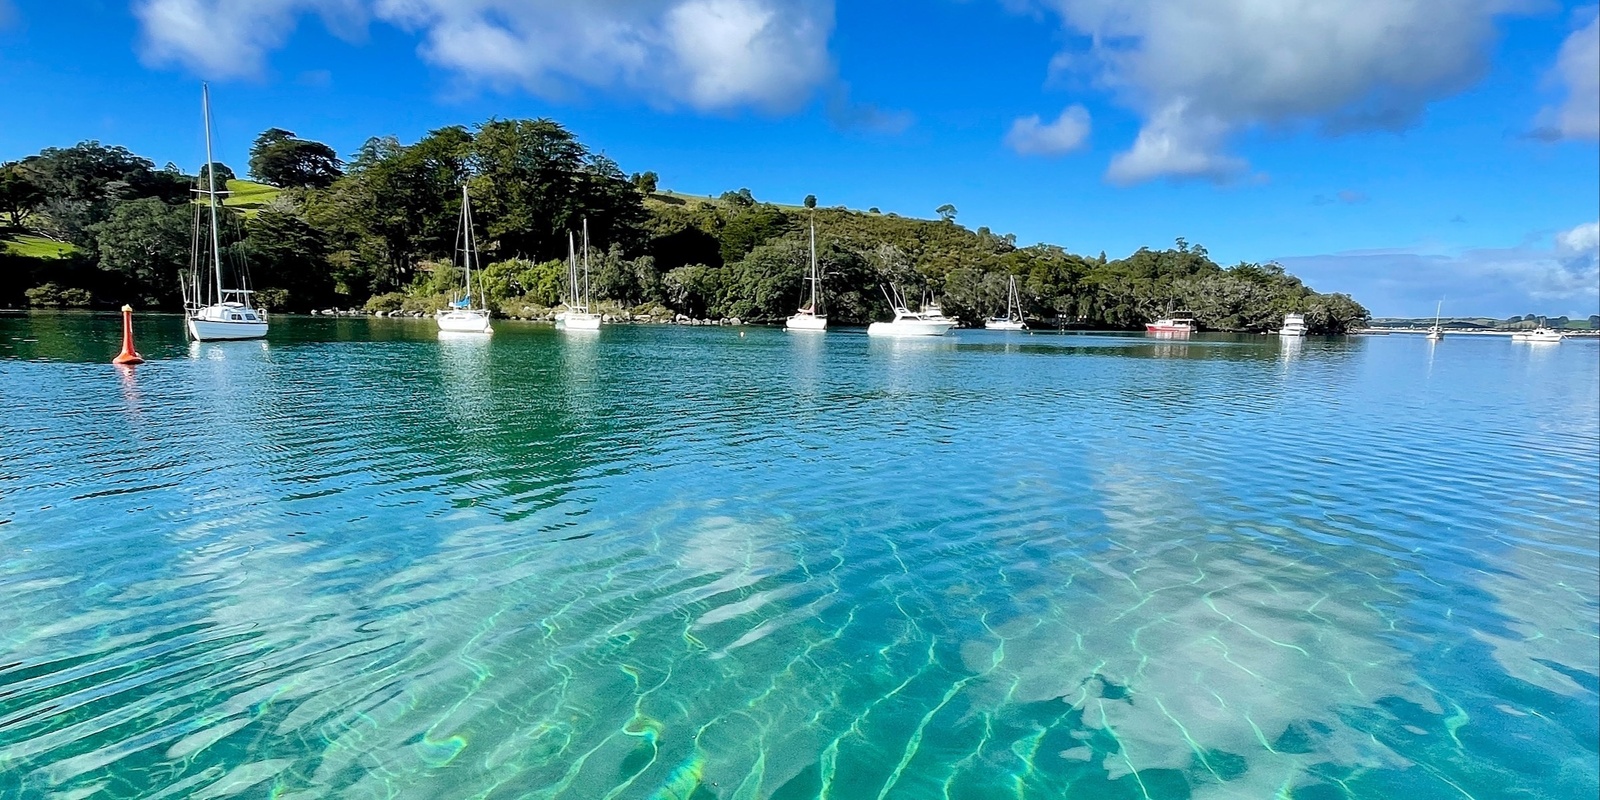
(1400, 150)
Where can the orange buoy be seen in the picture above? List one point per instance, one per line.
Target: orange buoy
(128, 354)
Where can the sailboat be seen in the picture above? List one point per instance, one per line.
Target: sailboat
(461, 317)
(578, 317)
(1013, 320)
(807, 318)
(1436, 332)
(216, 312)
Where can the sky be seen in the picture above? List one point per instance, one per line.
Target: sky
(1402, 151)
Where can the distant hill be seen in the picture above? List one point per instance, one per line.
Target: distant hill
(1490, 323)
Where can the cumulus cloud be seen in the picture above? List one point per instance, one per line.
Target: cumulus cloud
(1201, 70)
(1032, 136)
(706, 54)
(224, 39)
(1558, 276)
(1577, 70)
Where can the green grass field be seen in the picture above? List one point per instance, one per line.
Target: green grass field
(27, 244)
(249, 196)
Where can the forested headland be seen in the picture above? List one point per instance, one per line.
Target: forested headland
(96, 226)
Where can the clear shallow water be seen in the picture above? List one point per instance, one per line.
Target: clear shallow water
(360, 561)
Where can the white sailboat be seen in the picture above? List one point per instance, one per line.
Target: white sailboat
(1436, 332)
(577, 316)
(216, 312)
(931, 322)
(1013, 320)
(461, 317)
(807, 318)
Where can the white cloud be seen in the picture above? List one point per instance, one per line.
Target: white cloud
(706, 54)
(224, 39)
(1559, 277)
(1201, 70)
(1177, 143)
(1577, 69)
(1032, 136)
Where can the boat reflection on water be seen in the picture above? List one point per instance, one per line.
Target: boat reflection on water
(464, 370)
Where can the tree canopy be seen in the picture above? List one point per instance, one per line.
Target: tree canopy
(280, 158)
(385, 230)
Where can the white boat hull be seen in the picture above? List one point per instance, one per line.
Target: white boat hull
(911, 328)
(464, 322)
(1004, 325)
(576, 321)
(1289, 334)
(1535, 339)
(214, 330)
(806, 322)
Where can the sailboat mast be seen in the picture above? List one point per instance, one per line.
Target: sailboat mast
(572, 270)
(211, 185)
(813, 262)
(466, 239)
(586, 263)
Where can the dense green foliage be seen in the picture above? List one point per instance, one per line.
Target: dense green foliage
(383, 232)
(280, 158)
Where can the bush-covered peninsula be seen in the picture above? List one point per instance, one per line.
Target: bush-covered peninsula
(96, 225)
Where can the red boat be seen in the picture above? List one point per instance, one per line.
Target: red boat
(1177, 323)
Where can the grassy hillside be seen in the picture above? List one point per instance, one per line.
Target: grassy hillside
(32, 246)
(249, 196)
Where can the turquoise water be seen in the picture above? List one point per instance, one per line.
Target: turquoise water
(359, 561)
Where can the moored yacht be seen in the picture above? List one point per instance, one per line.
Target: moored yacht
(807, 317)
(1294, 325)
(215, 312)
(1013, 320)
(578, 317)
(461, 317)
(1179, 322)
(1539, 335)
(1436, 332)
(929, 322)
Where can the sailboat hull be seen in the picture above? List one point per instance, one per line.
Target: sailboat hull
(464, 322)
(214, 330)
(1004, 325)
(902, 327)
(579, 321)
(806, 322)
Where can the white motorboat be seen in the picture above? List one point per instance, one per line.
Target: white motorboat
(1436, 332)
(1294, 326)
(807, 318)
(461, 317)
(1180, 322)
(1013, 320)
(1539, 335)
(929, 322)
(577, 317)
(215, 312)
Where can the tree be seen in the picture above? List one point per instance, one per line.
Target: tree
(740, 199)
(143, 242)
(645, 182)
(811, 201)
(287, 254)
(19, 196)
(946, 212)
(224, 174)
(280, 158)
(534, 182)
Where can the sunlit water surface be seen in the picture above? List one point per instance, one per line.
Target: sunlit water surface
(357, 560)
